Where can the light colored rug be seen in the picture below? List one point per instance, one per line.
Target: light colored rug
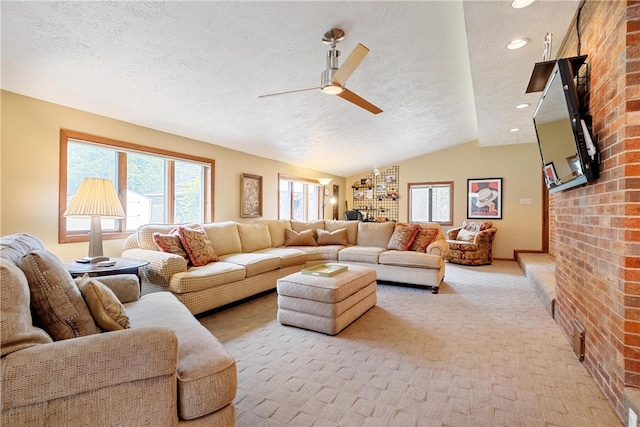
(483, 352)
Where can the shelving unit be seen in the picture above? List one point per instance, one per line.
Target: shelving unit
(376, 196)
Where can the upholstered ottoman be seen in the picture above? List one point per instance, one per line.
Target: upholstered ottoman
(326, 304)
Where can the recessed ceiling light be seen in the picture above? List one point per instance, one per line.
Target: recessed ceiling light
(514, 130)
(522, 105)
(517, 44)
(519, 4)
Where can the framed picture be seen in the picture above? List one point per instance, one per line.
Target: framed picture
(250, 196)
(550, 175)
(484, 198)
(390, 179)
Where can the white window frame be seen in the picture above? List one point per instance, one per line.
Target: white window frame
(430, 186)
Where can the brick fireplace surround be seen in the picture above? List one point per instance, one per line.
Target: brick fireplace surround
(595, 229)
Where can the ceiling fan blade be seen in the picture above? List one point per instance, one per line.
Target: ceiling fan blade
(289, 91)
(349, 66)
(360, 102)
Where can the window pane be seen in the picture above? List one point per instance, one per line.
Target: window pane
(298, 202)
(88, 161)
(189, 184)
(441, 209)
(284, 211)
(146, 198)
(419, 204)
(314, 194)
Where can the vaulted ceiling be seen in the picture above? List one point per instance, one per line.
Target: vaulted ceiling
(439, 70)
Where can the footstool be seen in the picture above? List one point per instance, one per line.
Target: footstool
(326, 304)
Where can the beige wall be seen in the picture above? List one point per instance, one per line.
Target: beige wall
(518, 165)
(30, 141)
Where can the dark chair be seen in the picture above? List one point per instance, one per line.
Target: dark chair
(353, 216)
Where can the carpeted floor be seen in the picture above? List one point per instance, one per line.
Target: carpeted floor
(483, 352)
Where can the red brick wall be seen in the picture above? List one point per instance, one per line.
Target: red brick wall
(597, 226)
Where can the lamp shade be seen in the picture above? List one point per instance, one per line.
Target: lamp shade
(95, 197)
(324, 181)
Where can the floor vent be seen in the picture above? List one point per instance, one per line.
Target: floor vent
(578, 339)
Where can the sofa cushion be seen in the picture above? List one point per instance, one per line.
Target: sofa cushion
(170, 243)
(300, 226)
(425, 236)
(351, 226)
(288, 256)
(410, 259)
(276, 230)
(254, 236)
(108, 313)
(403, 236)
(368, 254)
(16, 325)
(375, 233)
(465, 235)
(203, 363)
(197, 245)
(337, 237)
(206, 277)
(224, 236)
(253, 263)
(303, 238)
(55, 298)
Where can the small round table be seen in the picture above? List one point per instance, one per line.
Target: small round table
(122, 266)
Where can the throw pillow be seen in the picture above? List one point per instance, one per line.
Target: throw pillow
(425, 236)
(403, 236)
(197, 245)
(55, 298)
(170, 243)
(477, 227)
(16, 325)
(304, 238)
(108, 313)
(337, 237)
(466, 235)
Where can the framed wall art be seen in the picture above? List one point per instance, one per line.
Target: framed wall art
(250, 196)
(484, 198)
(550, 175)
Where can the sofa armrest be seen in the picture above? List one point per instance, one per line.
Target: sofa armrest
(162, 265)
(438, 247)
(452, 233)
(484, 237)
(80, 365)
(126, 287)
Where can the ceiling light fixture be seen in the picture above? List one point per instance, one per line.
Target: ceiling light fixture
(519, 4)
(517, 44)
(520, 106)
(514, 130)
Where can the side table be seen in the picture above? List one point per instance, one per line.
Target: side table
(122, 266)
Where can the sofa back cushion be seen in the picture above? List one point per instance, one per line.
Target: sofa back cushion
(224, 237)
(351, 226)
(254, 237)
(276, 230)
(16, 325)
(55, 298)
(375, 233)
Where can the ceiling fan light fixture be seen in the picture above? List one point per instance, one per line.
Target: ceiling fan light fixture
(519, 4)
(517, 44)
(333, 89)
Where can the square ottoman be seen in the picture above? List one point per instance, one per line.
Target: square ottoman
(326, 304)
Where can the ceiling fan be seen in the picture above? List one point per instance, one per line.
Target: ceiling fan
(333, 79)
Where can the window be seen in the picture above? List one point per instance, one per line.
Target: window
(299, 199)
(154, 185)
(431, 202)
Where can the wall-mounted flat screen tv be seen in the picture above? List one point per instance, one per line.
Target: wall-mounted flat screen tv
(569, 155)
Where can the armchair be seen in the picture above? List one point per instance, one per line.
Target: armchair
(471, 244)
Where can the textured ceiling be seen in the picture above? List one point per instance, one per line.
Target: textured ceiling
(439, 70)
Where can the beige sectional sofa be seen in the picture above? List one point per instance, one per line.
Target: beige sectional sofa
(166, 369)
(253, 256)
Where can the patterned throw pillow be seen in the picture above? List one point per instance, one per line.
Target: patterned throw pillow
(425, 236)
(304, 238)
(197, 245)
(477, 227)
(466, 235)
(107, 311)
(170, 243)
(55, 298)
(337, 237)
(403, 236)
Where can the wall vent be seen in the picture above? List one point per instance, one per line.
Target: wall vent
(578, 340)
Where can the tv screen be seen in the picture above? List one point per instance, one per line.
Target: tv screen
(569, 156)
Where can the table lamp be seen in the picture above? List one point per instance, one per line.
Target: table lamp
(96, 198)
